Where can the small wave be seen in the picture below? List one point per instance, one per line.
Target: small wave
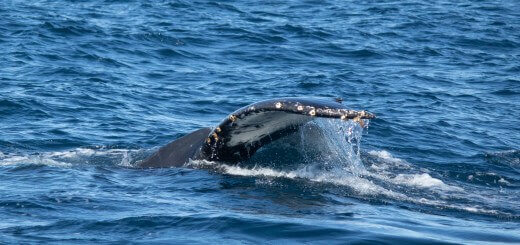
(385, 155)
(361, 186)
(423, 180)
(10, 105)
(37, 160)
(460, 207)
(385, 160)
(510, 157)
(120, 157)
(489, 179)
(506, 92)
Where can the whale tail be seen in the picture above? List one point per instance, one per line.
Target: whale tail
(179, 151)
(244, 131)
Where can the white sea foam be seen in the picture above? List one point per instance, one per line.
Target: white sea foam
(67, 158)
(387, 158)
(32, 159)
(503, 181)
(460, 207)
(419, 180)
(423, 180)
(72, 153)
(386, 161)
(385, 155)
(360, 185)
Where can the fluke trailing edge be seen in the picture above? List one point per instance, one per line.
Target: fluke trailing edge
(244, 131)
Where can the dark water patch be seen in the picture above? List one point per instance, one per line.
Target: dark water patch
(415, 24)
(23, 205)
(169, 53)
(197, 40)
(511, 158)
(309, 85)
(9, 105)
(179, 4)
(362, 53)
(103, 60)
(301, 32)
(506, 92)
(53, 57)
(247, 230)
(492, 8)
(69, 28)
(383, 10)
(158, 37)
(487, 43)
(254, 19)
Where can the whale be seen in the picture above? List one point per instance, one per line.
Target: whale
(243, 132)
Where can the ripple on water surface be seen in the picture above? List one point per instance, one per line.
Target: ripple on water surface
(88, 89)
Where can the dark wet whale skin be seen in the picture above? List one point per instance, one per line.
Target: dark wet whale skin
(247, 129)
(179, 151)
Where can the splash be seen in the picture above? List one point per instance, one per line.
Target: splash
(332, 146)
(343, 142)
(331, 153)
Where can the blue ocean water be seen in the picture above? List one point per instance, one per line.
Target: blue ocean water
(89, 88)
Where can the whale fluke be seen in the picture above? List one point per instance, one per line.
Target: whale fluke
(244, 131)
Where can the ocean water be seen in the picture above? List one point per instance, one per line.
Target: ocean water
(89, 88)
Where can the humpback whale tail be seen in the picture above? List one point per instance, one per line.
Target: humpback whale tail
(247, 129)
